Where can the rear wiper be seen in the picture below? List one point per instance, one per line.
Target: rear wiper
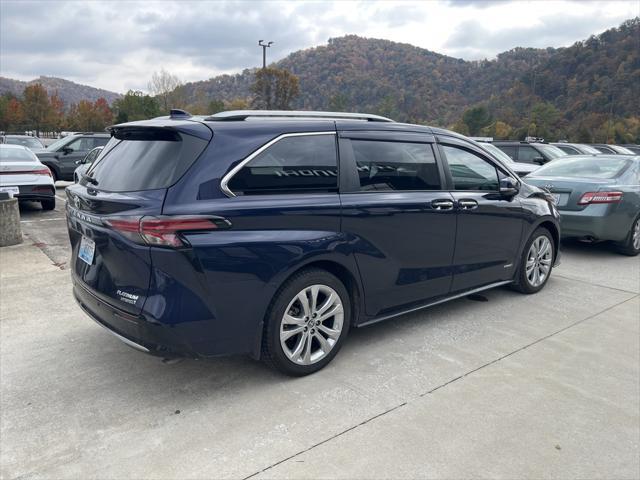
(89, 179)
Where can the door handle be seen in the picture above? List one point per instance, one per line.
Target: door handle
(442, 204)
(467, 204)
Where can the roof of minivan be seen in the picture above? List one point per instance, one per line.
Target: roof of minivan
(284, 124)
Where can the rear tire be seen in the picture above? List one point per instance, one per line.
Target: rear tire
(48, 204)
(536, 262)
(306, 323)
(631, 246)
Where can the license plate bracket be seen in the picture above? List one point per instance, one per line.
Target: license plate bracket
(12, 191)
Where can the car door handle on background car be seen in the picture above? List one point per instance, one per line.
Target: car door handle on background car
(442, 204)
(467, 204)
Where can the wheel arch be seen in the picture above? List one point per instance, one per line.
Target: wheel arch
(349, 279)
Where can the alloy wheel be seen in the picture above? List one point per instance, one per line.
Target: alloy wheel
(635, 235)
(539, 260)
(312, 324)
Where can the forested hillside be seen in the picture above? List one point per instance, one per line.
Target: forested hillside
(567, 92)
(69, 92)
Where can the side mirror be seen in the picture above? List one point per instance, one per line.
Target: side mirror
(67, 150)
(509, 186)
(539, 160)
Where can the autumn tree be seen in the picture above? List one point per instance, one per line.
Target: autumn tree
(36, 106)
(274, 89)
(56, 118)
(11, 113)
(167, 88)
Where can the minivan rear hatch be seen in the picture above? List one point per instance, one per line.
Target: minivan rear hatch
(114, 212)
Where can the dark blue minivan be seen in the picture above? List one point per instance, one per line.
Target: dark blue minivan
(273, 233)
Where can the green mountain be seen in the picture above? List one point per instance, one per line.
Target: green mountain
(563, 90)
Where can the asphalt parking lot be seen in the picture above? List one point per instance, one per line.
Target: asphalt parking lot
(498, 386)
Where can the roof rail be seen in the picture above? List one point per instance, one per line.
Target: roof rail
(237, 115)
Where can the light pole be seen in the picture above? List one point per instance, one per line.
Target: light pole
(264, 51)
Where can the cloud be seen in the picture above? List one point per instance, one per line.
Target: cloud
(117, 45)
(472, 40)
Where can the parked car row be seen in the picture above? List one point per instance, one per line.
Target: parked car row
(273, 233)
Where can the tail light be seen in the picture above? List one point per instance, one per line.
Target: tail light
(40, 171)
(600, 197)
(165, 231)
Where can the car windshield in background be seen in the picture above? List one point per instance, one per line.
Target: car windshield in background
(59, 143)
(551, 151)
(496, 152)
(589, 149)
(622, 150)
(28, 142)
(583, 167)
(16, 155)
(145, 160)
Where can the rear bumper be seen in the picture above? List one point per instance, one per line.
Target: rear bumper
(594, 222)
(135, 331)
(36, 192)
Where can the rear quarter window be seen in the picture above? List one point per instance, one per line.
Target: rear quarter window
(145, 160)
(295, 164)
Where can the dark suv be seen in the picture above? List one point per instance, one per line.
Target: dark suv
(529, 152)
(274, 236)
(63, 156)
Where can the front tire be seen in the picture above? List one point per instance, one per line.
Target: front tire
(631, 246)
(307, 323)
(536, 262)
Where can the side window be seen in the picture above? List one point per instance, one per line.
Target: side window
(509, 150)
(293, 164)
(527, 154)
(470, 171)
(75, 145)
(99, 141)
(384, 165)
(568, 150)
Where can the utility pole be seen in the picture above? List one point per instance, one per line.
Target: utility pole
(264, 51)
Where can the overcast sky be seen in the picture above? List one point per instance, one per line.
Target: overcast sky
(118, 44)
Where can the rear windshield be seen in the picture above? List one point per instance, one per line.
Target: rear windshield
(583, 167)
(28, 142)
(144, 160)
(17, 155)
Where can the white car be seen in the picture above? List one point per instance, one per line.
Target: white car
(23, 176)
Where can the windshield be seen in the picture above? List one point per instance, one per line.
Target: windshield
(589, 149)
(622, 150)
(591, 167)
(496, 152)
(16, 155)
(29, 142)
(57, 145)
(551, 150)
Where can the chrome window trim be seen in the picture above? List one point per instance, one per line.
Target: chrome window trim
(224, 183)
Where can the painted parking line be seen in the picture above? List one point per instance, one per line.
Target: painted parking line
(43, 220)
(62, 199)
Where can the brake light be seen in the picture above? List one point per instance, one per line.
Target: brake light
(165, 231)
(41, 171)
(600, 197)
